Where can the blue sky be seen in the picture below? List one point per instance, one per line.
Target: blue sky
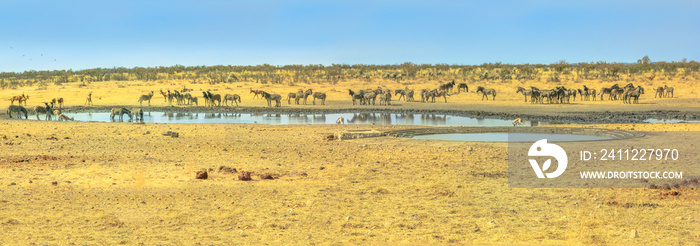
(49, 35)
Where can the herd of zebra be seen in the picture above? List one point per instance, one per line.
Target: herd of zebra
(211, 99)
(47, 109)
(628, 94)
(185, 98)
(369, 96)
(300, 94)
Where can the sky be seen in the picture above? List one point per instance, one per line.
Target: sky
(62, 35)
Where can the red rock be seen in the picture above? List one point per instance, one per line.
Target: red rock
(245, 176)
(202, 175)
(266, 176)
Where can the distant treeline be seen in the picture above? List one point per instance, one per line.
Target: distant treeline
(292, 74)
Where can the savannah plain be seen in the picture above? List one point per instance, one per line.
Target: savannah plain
(125, 183)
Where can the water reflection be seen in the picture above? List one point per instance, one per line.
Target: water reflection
(308, 118)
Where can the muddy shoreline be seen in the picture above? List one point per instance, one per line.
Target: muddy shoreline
(590, 117)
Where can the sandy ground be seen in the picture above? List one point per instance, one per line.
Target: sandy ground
(126, 183)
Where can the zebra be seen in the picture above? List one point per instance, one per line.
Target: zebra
(424, 95)
(207, 100)
(609, 91)
(561, 95)
(385, 99)
(290, 96)
(588, 92)
(549, 94)
(298, 96)
(213, 98)
(319, 95)
(356, 96)
(632, 93)
(462, 86)
(669, 90)
(18, 109)
(120, 112)
(572, 92)
(525, 92)
(440, 93)
(402, 94)
(188, 96)
(308, 93)
(409, 95)
(194, 100)
(485, 92)
(235, 98)
(447, 87)
(617, 93)
(146, 98)
(48, 110)
(136, 114)
(535, 95)
(372, 95)
(270, 97)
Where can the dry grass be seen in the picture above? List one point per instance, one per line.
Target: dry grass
(117, 185)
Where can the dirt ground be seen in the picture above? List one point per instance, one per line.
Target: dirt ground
(97, 183)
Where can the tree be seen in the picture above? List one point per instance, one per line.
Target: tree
(644, 61)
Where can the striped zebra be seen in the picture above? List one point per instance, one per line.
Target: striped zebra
(137, 114)
(272, 97)
(17, 109)
(234, 98)
(486, 92)
(120, 112)
(146, 98)
(320, 96)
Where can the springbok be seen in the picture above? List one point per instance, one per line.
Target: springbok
(88, 100)
(517, 121)
(20, 99)
(256, 92)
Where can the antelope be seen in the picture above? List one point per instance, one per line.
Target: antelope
(20, 99)
(256, 92)
(88, 100)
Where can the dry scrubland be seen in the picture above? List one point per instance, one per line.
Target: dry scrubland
(124, 183)
(126, 93)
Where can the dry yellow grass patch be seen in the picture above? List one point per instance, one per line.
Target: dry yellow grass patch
(117, 185)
